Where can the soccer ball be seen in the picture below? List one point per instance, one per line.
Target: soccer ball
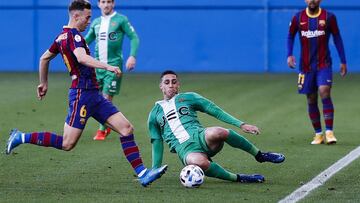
(191, 176)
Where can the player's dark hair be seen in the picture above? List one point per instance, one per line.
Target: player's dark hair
(166, 73)
(79, 5)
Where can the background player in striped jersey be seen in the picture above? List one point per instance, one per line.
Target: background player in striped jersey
(315, 25)
(174, 120)
(108, 31)
(84, 98)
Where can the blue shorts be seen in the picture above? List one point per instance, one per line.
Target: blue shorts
(84, 104)
(309, 82)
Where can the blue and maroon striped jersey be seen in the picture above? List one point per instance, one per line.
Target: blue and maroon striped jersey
(314, 33)
(83, 77)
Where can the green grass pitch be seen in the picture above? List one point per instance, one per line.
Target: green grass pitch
(98, 171)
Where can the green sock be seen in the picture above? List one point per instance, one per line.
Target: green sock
(238, 141)
(102, 127)
(216, 171)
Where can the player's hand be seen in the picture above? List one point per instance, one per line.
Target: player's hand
(291, 61)
(115, 70)
(343, 69)
(130, 63)
(250, 129)
(41, 91)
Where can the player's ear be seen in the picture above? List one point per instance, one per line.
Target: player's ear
(75, 15)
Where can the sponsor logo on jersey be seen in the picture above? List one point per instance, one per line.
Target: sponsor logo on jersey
(113, 36)
(312, 34)
(162, 121)
(184, 110)
(102, 36)
(171, 115)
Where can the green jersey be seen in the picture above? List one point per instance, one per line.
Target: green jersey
(109, 31)
(175, 121)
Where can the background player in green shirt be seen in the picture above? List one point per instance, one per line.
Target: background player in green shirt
(174, 120)
(108, 31)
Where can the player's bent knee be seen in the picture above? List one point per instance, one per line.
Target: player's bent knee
(201, 161)
(127, 130)
(217, 133)
(68, 146)
(203, 164)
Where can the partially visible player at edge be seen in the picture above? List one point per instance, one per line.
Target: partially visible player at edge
(174, 120)
(85, 99)
(315, 25)
(108, 30)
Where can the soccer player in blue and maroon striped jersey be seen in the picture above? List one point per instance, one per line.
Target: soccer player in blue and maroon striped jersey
(85, 100)
(315, 25)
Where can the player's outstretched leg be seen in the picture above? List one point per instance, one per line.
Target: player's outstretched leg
(269, 157)
(132, 154)
(253, 178)
(151, 175)
(14, 140)
(45, 139)
(217, 171)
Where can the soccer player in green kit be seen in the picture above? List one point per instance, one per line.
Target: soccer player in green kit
(108, 30)
(174, 120)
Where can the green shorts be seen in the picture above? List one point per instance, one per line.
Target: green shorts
(109, 83)
(196, 144)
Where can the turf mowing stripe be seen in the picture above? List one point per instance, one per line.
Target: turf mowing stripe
(322, 177)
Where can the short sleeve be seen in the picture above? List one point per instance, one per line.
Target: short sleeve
(78, 40)
(54, 48)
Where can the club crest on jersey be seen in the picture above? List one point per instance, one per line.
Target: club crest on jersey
(322, 23)
(82, 121)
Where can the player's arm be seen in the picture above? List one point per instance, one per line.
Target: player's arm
(338, 44)
(90, 36)
(43, 73)
(157, 152)
(212, 109)
(156, 140)
(89, 61)
(293, 28)
(134, 44)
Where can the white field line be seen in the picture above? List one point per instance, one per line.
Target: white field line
(322, 177)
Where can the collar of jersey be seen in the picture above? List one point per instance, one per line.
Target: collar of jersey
(109, 16)
(313, 15)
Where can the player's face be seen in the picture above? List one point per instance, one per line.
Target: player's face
(313, 4)
(169, 86)
(83, 19)
(106, 6)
